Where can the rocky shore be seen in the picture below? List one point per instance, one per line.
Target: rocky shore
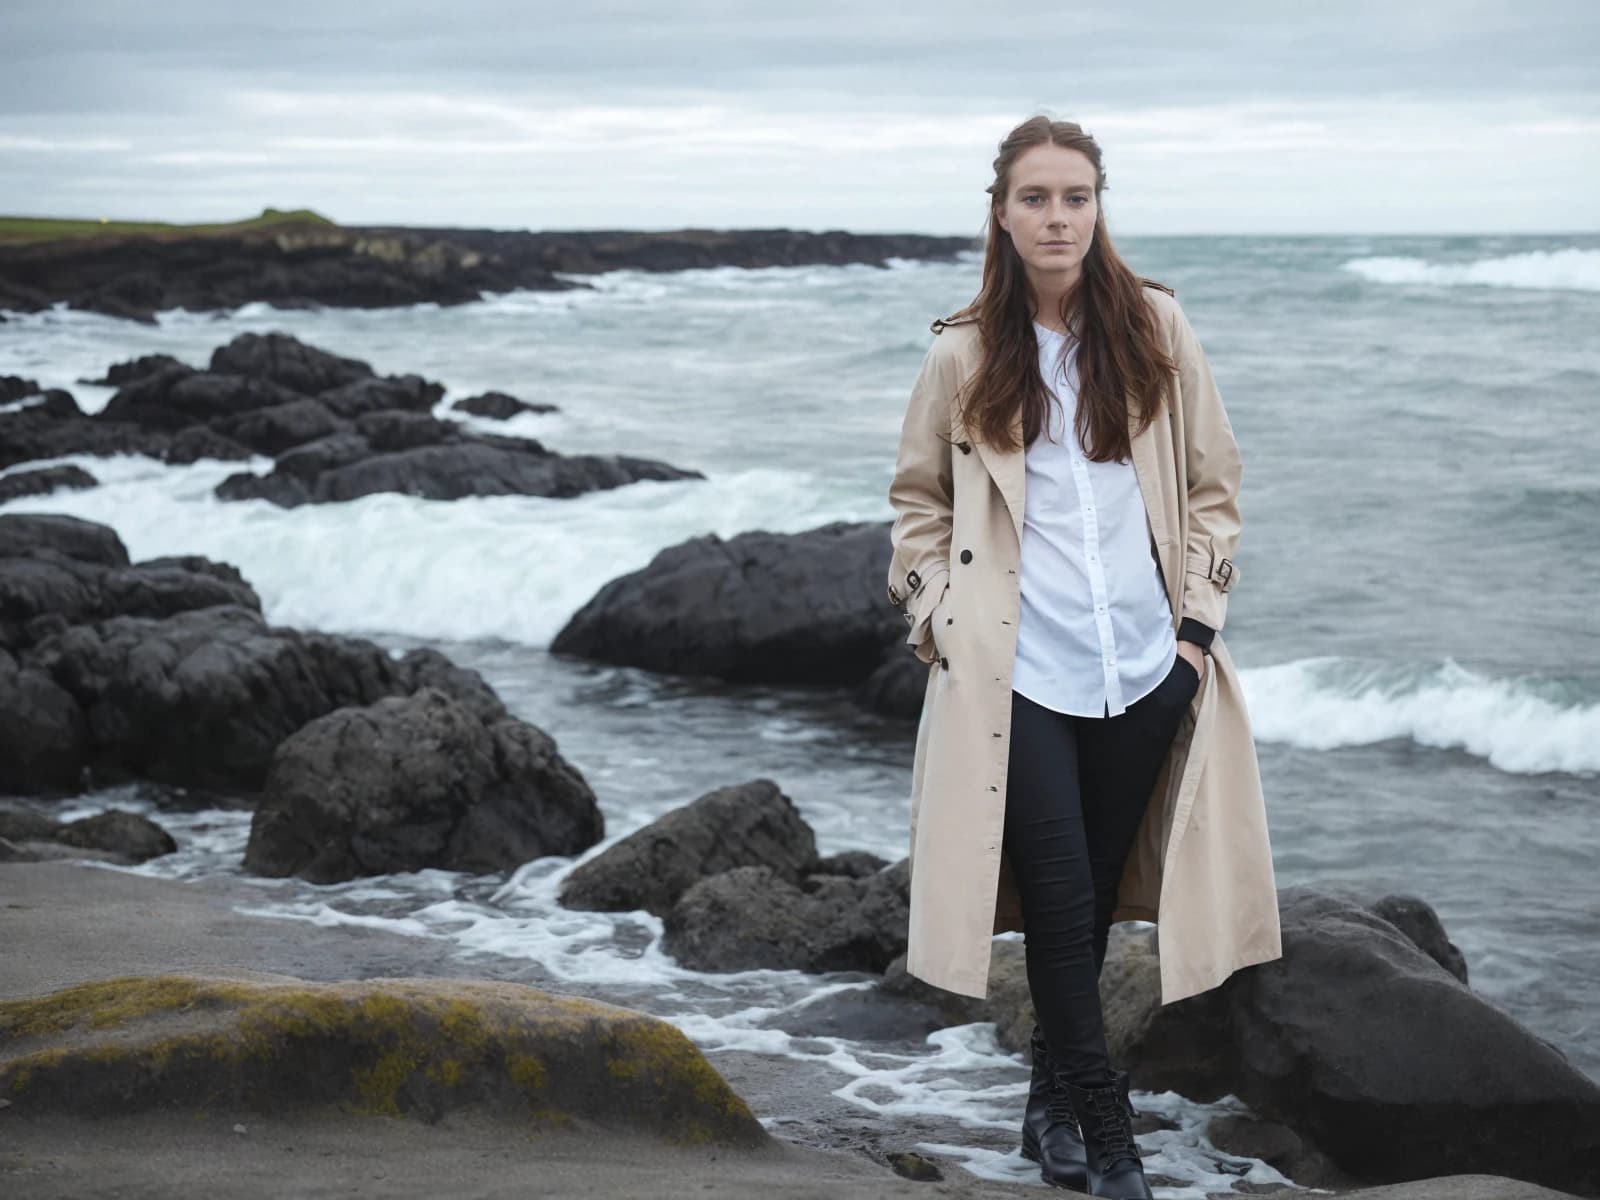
(1363, 1054)
(320, 264)
(335, 429)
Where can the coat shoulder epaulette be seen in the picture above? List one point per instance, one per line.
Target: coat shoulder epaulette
(1160, 287)
(939, 323)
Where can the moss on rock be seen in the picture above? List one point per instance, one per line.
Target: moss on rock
(401, 1047)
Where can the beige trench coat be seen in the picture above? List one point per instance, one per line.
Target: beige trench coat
(1201, 864)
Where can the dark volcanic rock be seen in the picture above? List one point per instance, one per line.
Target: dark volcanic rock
(387, 432)
(1416, 919)
(44, 481)
(310, 264)
(408, 393)
(177, 397)
(417, 782)
(27, 535)
(1359, 1040)
(74, 591)
(44, 739)
(751, 917)
(128, 835)
(499, 406)
(747, 824)
(115, 835)
(756, 608)
(126, 372)
(426, 667)
(203, 699)
(464, 465)
(857, 864)
(281, 427)
(305, 463)
(197, 442)
(898, 683)
(36, 432)
(860, 1014)
(289, 266)
(285, 360)
(15, 387)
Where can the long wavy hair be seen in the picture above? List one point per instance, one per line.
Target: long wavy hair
(1120, 353)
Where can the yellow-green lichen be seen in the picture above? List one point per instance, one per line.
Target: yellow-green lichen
(107, 1003)
(527, 1071)
(385, 1038)
(447, 1072)
(664, 1053)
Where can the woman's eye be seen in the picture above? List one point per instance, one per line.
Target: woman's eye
(1031, 199)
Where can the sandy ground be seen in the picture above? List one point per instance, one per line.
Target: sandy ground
(62, 923)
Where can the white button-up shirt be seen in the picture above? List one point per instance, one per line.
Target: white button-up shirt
(1095, 629)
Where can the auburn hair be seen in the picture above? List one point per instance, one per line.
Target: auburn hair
(1120, 351)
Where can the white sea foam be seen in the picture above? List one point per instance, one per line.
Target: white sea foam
(508, 567)
(1569, 269)
(1521, 726)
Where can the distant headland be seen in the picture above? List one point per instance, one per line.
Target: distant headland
(301, 259)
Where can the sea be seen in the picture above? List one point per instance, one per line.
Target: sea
(1416, 618)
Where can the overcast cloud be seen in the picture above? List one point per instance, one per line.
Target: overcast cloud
(1404, 116)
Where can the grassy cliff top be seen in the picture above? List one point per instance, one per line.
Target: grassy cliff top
(43, 229)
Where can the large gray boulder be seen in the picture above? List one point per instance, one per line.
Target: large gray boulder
(203, 698)
(757, 608)
(1360, 1040)
(414, 782)
(748, 824)
(752, 917)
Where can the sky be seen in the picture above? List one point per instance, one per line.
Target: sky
(1406, 116)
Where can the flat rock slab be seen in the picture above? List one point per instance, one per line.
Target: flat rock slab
(398, 1047)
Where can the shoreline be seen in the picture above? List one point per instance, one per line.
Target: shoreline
(66, 922)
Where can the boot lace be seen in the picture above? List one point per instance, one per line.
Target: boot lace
(1114, 1132)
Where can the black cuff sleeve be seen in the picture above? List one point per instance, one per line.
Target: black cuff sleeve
(1190, 630)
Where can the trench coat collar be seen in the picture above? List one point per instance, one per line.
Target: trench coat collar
(1008, 469)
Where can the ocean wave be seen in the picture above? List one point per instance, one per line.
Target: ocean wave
(512, 568)
(1521, 726)
(1569, 269)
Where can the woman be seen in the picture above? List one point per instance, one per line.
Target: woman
(1065, 500)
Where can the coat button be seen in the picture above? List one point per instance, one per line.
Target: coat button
(966, 556)
(944, 662)
(966, 448)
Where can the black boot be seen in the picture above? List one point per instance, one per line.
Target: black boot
(1049, 1130)
(1106, 1118)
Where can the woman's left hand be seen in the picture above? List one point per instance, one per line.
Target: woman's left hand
(1195, 655)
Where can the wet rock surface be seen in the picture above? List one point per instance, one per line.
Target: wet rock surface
(413, 782)
(749, 824)
(1366, 1046)
(337, 430)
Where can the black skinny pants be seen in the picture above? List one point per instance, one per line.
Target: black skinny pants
(1076, 790)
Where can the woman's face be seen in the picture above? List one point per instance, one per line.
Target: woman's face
(1049, 210)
